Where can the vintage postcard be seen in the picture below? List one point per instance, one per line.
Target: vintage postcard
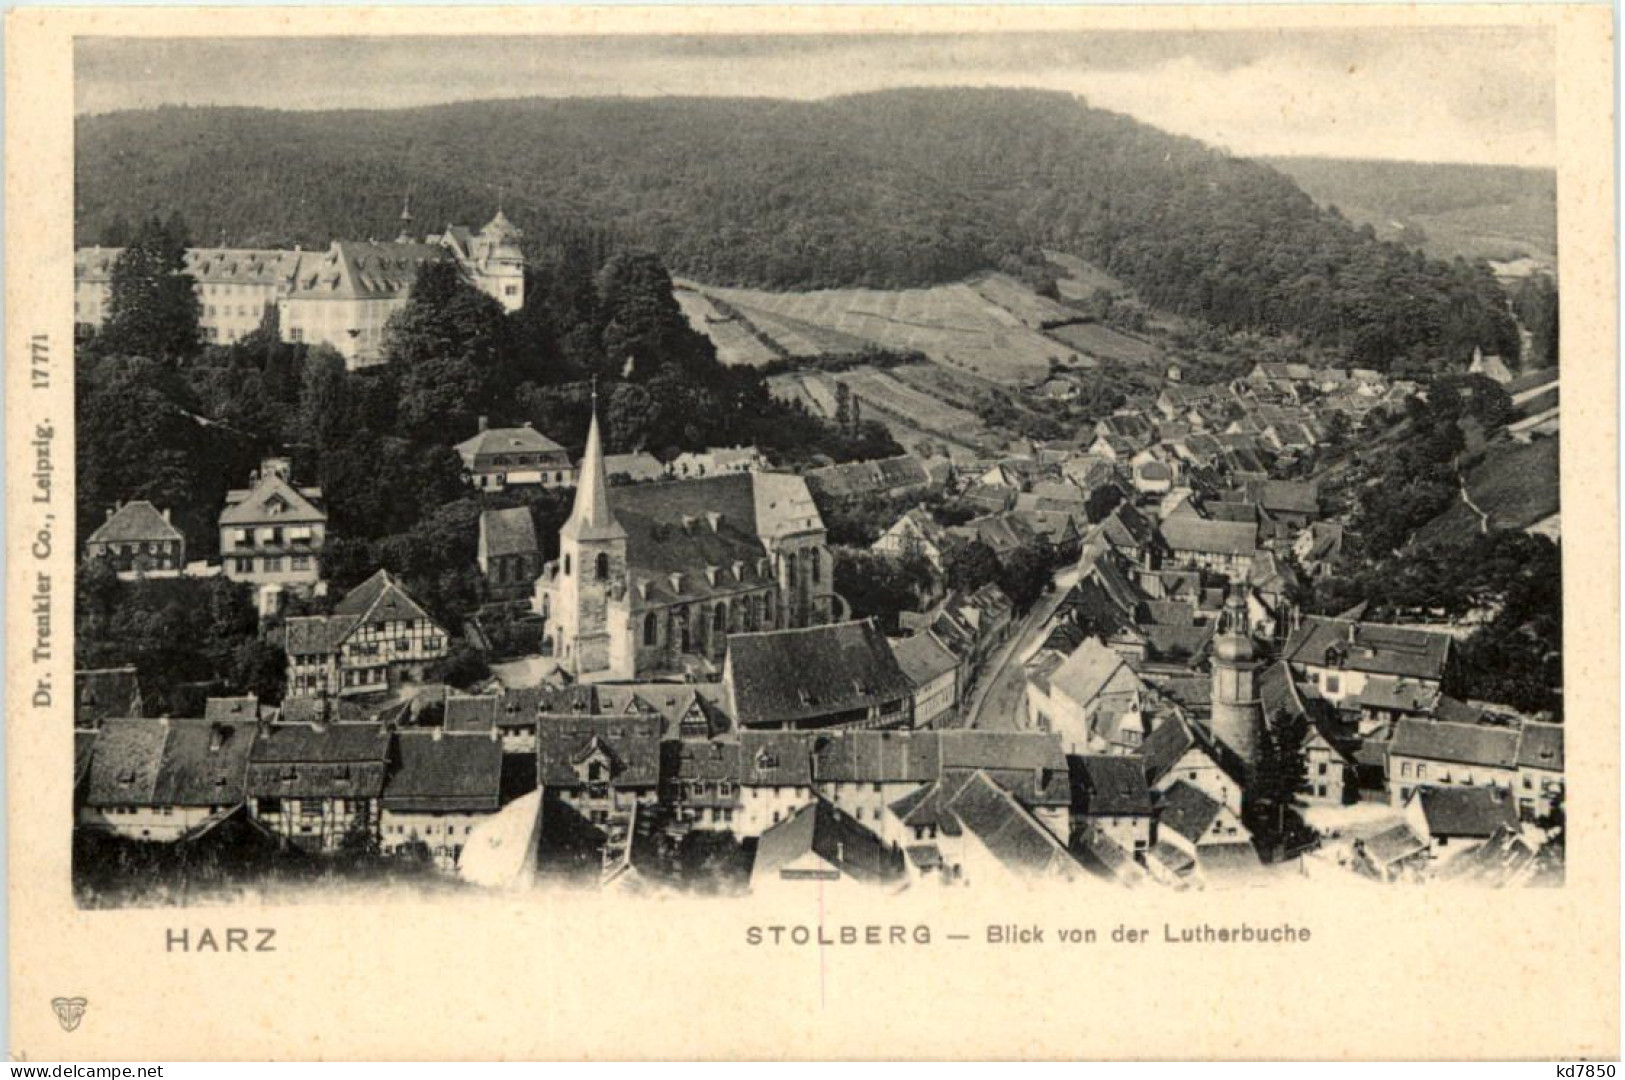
(799, 532)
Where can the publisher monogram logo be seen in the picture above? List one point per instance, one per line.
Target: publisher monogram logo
(69, 1011)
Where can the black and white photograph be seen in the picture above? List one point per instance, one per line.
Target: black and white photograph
(765, 464)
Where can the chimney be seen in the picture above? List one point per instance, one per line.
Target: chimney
(713, 519)
(484, 422)
(1354, 631)
(529, 424)
(840, 852)
(217, 738)
(437, 734)
(110, 512)
(166, 515)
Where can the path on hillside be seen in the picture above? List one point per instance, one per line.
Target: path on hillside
(999, 701)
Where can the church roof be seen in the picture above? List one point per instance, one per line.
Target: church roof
(591, 517)
(508, 532)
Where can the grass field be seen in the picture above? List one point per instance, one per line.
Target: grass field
(988, 328)
(735, 342)
(1083, 278)
(1516, 484)
(912, 415)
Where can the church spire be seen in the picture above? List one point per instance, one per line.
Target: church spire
(591, 517)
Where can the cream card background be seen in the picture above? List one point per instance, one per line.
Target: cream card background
(1388, 972)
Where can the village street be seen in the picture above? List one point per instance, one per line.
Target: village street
(999, 703)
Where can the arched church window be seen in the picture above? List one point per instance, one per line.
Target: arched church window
(566, 564)
(601, 567)
(651, 629)
(814, 560)
(719, 618)
(790, 569)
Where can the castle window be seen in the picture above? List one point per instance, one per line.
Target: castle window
(601, 567)
(651, 629)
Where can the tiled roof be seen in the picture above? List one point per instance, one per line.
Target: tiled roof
(872, 757)
(253, 506)
(1541, 747)
(1109, 785)
(379, 599)
(1374, 648)
(1008, 832)
(1089, 670)
(508, 532)
(1031, 766)
(1394, 844)
(1462, 811)
(632, 744)
(470, 713)
(638, 466)
(205, 763)
(859, 478)
(835, 836)
(1188, 811)
(924, 658)
(1162, 749)
(775, 759)
(1463, 744)
(785, 676)
(1402, 695)
(1186, 533)
(448, 772)
(363, 270)
(314, 743)
(316, 635)
(125, 762)
(135, 522)
(509, 440)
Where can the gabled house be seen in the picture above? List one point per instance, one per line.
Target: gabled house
(1199, 830)
(822, 843)
(440, 785)
(1225, 547)
(495, 459)
(273, 531)
(1540, 768)
(1460, 816)
(1442, 754)
(1095, 702)
(318, 786)
(1110, 794)
(1339, 655)
(1176, 752)
(138, 540)
(376, 638)
(933, 669)
(601, 768)
(915, 534)
(160, 779)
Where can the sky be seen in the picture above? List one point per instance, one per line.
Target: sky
(1448, 94)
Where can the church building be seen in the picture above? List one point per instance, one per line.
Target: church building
(652, 578)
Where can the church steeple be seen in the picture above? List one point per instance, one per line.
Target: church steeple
(591, 517)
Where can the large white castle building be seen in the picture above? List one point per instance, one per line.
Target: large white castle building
(340, 297)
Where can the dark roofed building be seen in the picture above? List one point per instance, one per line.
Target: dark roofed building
(1109, 793)
(103, 693)
(316, 785)
(1439, 753)
(137, 538)
(601, 767)
(839, 675)
(377, 637)
(1443, 815)
(1340, 655)
(440, 785)
(1226, 547)
(861, 479)
(510, 558)
(122, 779)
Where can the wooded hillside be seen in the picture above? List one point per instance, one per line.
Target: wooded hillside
(900, 188)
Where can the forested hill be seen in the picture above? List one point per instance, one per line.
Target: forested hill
(1479, 211)
(899, 188)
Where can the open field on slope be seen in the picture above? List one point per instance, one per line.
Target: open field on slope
(912, 416)
(990, 327)
(735, 342)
